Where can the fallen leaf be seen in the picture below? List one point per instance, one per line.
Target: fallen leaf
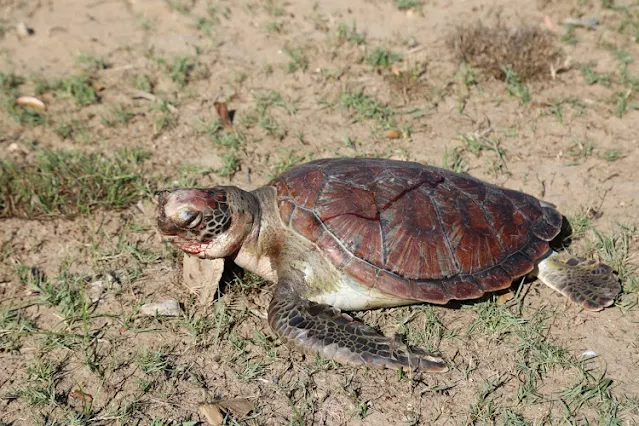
(393, 134)
(97, 86)
(239, 408)
(223, 111)
(30, 101)
(212, 414)
(78, 394)
(505, 297)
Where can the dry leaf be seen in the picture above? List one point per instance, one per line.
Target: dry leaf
(503, 298)
(202, 277)
(212, 414)
(30, 101)
(223, 111)
(239, 408)
(78, 394)
(393, 134)
(97, 86)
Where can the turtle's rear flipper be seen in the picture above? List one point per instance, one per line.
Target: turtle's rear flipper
(325, 330)
(586, 282)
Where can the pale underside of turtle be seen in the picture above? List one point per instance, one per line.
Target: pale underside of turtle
(353, 234)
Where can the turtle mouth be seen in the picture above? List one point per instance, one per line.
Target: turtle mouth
(187, 246)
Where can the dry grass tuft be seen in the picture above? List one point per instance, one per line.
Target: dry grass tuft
(529, 51)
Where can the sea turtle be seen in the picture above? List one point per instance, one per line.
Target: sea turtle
(354, 234)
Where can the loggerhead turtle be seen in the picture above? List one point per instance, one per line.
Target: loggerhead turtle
(353, 234)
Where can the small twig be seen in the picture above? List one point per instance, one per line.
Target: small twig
(140, 94)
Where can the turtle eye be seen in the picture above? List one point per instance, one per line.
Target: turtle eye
(188, 218)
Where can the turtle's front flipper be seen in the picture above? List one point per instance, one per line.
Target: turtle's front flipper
(334, 335)
(587, 282)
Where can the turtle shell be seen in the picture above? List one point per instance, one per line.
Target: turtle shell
(415, 231)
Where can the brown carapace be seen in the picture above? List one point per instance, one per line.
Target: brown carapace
(415, 231)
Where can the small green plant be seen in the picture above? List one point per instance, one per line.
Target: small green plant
(569, 36)
(79, 88)
(613, 154)
(350, 34)
(297, 59)
(118, 116)
(381, 57)
(593, 77)
(408, 4)
(515, 86)
(368, 107)
(90, 63)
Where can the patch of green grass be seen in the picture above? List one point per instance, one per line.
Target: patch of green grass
(515, 86)
(426, 329)
(381, 57)
(143, 82)
(368, 107)
(66, 183)
(79, 88)
(286, 160)
(117, 116)
(64, 292)
(612, 154)
(578, 152)
(408, 4)
(297, 59)
(570, 35)
(43, 376)
(454, 160)
(91, 63)
(593, 77)
(165, 118)
(350, 34)
(13, 326)
(616, 250)
(184, 69)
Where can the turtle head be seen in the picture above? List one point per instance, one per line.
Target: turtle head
(210, 223)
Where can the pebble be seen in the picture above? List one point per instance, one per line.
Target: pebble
(168, 308)
(588, 354)
(23, 30)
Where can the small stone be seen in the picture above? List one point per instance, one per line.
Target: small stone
(23, 30)
(168, 308)
(588, 354)
(393, 134)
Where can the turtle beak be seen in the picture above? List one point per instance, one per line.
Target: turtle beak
(166, 225)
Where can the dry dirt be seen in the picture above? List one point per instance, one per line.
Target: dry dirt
(574, 144)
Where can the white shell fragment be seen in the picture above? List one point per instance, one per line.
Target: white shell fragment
(588, 354)
(30, 101)
(168, 308)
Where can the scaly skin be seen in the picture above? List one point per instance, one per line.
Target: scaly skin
(334, 335)
(589, 283)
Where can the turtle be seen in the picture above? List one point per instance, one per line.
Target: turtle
(349, 234)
